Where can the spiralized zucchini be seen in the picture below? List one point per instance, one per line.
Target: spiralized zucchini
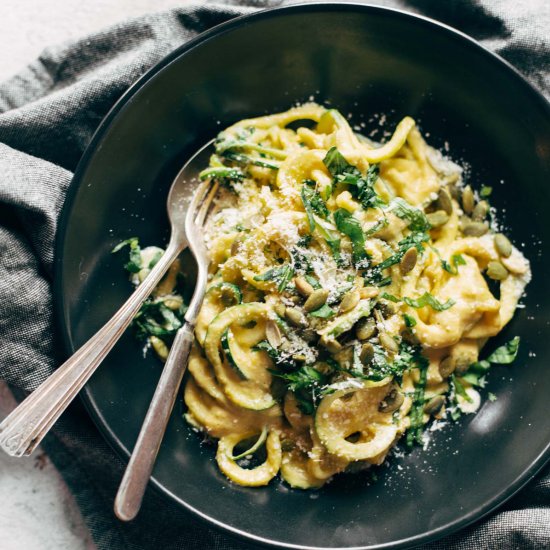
(353, 285)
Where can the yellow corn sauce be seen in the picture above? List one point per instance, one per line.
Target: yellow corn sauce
(329, 391)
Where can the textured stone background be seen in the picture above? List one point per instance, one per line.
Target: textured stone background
(37, 512)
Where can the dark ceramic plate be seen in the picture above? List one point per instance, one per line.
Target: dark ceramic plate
(364, 60)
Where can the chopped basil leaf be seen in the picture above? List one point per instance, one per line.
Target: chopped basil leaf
(155, 319)
(486, 191)
(361, 187)
(452, 267)
(222, 174)
(313, 282)
(264, 345)
(350, 226)
(504, 355)
(313, 203)
(386, 281)
(390, 297)
(307, 384)
(374, 275)
(280, 275)
(459, 389)
(428, 300)
(324, 312)
(155, 259)
(414, 433)
(474, 379)
(410, 321)
(416, 218)
(336, 163)
(304, 241)
(379, 225)
(135, 263)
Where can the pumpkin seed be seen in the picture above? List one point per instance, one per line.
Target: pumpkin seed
(408, 261)
(367, 353)
(474, 229)
(480, 211)
(365, 328)
(331, 344)
(310, 336)
(503, 245)
(273, 333)
(468, 200)
(295, 317)
(393, 400)
(228, 297)
(280, 309)
(369, 292)
(349, 301)
(316, 299)
(388, 343)
(446, 367)
(433, 406)
(462, 364)
(161, 349)
(454, 191)
(303, 287)
(387, 309)
(444, 201)
(437, 218)
(496, 271)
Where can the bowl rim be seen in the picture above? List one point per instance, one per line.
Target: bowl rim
(62, 326)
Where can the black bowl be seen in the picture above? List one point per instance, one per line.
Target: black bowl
(364, 60)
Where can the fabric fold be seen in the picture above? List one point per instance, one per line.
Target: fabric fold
(48, 114)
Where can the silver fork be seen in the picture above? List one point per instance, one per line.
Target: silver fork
(27, 425)
(133, 484)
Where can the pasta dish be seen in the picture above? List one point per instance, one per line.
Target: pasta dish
(352, 287)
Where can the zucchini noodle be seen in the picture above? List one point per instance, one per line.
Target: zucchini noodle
(352, 287)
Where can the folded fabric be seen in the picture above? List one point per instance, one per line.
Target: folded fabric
(48, 114)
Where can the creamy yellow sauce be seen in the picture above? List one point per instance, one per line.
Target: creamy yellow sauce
(324, 330)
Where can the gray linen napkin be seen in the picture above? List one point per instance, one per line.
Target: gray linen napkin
(48, 113)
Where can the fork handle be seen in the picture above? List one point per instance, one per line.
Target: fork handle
(27, 425)
(133, 484)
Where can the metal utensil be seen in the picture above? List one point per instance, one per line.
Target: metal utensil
(27, 425)
(133, 484)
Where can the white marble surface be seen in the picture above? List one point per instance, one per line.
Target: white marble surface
(37, 512)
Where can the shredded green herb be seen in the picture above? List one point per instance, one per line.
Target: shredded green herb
(410, 321)
(313, 282)
(361, 187)
(503, 355)
(414, 433)
(428, 299)
(307, 384)
(280, 275)
(350, 226)
(452, 266)
(135, 263)
(313, 203)
(324, 312)
(486, 191)
(416, 218)
(223, 174)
